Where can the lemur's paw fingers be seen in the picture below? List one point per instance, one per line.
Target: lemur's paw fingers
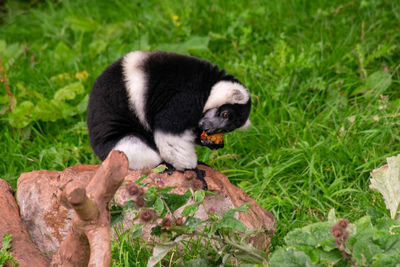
(170, 169)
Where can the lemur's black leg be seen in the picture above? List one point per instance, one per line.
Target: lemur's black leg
(200, 175)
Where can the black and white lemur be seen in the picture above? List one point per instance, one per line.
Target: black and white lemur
(154, 106)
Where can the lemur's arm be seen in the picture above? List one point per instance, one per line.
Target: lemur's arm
(177, 149)
(174, 130)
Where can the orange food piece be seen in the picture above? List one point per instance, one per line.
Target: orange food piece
(215, 138)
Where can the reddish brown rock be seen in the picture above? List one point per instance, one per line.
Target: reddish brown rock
(41, 206)
(24, 251)
(48, 214)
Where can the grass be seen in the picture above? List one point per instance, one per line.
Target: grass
(324, 78)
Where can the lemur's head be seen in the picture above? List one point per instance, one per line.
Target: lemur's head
(227, 108)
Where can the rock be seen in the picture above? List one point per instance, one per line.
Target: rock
(228, 196)
(23, 250)
(41, 207)
(88, 242)
(48, 216)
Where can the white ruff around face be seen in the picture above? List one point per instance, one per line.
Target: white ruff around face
(226, 92)
(246, 125)
(135, 81)
(177, 150)
(138, 153)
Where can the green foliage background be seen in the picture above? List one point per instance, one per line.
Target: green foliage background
(324, 79)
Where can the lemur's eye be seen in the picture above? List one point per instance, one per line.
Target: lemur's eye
(225, 115)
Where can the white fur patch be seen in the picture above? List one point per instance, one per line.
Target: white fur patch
(177, 150)
(226, 92)
(135, 81)
(246, 125)
(139, 154)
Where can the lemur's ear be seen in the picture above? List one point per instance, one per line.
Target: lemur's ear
(245, 126)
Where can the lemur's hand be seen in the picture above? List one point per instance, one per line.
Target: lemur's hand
(170, 169)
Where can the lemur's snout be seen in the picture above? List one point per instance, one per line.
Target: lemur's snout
(210, 122)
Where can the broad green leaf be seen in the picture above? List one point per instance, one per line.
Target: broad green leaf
(67, 110)
(189, 210)
(193, 222)
(315, 235)
(387, 241)
(150, 196)
(231, 223)
(21, 115)
(197, 43)
(174, 201)
(320, 256)
(140, 179)
(364, 249)
(375, 84)
(159, 169)
(166, 189)
(242, 208)
(50, 110)
(386, 260)
(290, 257)
(386, 180)
(82, 106)
(69, 92)
(199, 196)
(158, 205)
(363, 225)
(378, 81)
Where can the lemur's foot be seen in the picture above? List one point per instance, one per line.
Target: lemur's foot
(200, 175)
(170, 169)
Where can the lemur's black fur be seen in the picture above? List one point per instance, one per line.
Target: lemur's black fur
(174, 93)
